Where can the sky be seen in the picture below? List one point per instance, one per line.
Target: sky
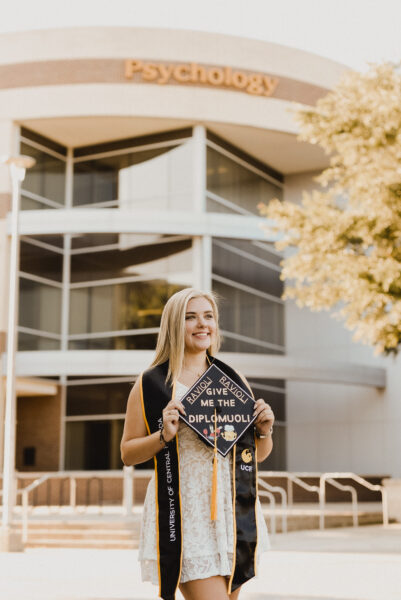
(352, 32)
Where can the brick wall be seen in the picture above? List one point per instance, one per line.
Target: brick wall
(38, 426)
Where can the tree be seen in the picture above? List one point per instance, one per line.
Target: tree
(346, 236)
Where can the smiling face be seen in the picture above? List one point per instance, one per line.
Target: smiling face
(200, 325)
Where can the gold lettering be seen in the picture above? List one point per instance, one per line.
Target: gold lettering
(149, 72)
(240, 80)
(131, 67)
(255, 85)
(165, 72)
(182, 73)
(228, 76)
(270, 84)
(198, 73)
(215, 76)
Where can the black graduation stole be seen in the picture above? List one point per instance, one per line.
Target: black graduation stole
(155, 395)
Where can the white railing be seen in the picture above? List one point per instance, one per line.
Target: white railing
(266, 491)
(330, 478)
(129, 475)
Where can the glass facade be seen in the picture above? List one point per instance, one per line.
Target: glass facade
(106, 291)
(138, 179)
(118, 293)
(94, 424)
(247, 280)
(235, 187)
(44, 183)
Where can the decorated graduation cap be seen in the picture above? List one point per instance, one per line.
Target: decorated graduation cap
(218, 409)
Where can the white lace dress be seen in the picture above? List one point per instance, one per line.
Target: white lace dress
(207, 544)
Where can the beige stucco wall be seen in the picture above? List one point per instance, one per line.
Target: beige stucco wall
(168, 44)
(59, 97)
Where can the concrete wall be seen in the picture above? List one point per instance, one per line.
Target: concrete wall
(336, 427)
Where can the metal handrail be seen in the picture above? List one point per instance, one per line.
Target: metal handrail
(72, 476)
(293, 478)
(25, 506)
(129, 475)
(272, 499)
(283, 494)
(329, 477)
(354, 500)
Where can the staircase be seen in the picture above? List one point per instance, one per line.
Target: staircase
(302, 516)
(113, 531)
(99, 533)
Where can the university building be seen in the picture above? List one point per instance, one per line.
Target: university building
(153, 150)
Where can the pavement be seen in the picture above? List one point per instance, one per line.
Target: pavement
(336, 564)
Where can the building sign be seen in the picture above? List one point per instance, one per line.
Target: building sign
(257, 84)
(218, 409)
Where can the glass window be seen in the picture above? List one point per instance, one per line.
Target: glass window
(40, 306)
(81, 240)
(246, 315)
(29, 342)
(93, 445)
(160, 178)
(241, 264)
(136, 256)
(51, 239)
(236, 184)
(162, 268)
(40, 261)
(133, 305)
(277, 461)
(47, 177)
(145, 341)
(30, 204)
(273, 392)
(251, 316)
(97, 398)
(264, 388)
(263, 250)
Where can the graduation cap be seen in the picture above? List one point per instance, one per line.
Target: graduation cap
(218, 409)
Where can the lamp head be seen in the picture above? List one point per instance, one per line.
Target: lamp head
(18, 164)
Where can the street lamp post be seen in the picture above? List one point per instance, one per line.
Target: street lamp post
(9, 540)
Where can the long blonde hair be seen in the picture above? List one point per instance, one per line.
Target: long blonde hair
(171, 339)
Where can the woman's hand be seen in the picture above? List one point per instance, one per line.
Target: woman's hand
(171, 419)
(265, 417)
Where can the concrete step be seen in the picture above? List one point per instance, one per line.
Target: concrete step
(76, 534)
(312, 521)
(100, 544)
(112, 531)
(88, 526)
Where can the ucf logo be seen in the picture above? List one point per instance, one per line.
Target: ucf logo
(246, 456)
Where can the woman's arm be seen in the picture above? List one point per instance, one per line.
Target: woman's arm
(136, 445)
(264, 447)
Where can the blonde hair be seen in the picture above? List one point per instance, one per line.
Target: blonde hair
(171, 339)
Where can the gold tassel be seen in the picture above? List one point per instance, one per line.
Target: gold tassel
(213, 504)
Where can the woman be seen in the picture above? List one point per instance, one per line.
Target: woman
(180, 543)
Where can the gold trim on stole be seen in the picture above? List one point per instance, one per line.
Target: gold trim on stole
(234, 522)
(255, 564)
(156, 488)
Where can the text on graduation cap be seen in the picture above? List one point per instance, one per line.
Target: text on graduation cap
(228, 386)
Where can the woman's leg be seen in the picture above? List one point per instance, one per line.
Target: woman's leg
(206, 589)
(234, 595)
